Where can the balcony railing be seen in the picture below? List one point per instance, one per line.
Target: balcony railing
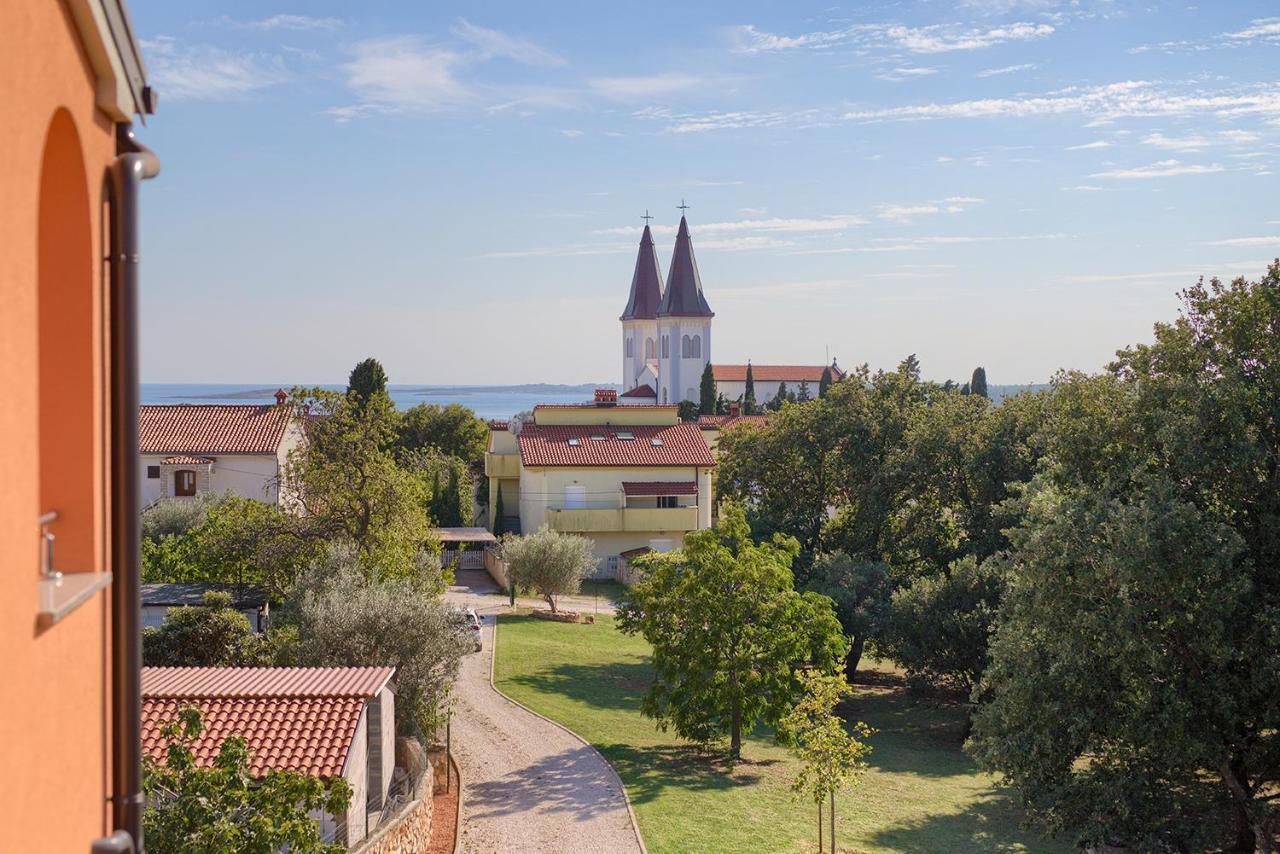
(599, 519)
(502, 465)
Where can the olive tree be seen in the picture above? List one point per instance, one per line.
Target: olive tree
(548, 562)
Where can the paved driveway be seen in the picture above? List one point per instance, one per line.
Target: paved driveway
(527, 784)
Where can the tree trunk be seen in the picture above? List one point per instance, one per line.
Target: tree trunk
(819, 827)
(735, 731)
(855, 655)
(551, 600)
(1245, 841)
(833, 821)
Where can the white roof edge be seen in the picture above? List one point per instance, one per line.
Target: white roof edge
(116, 58)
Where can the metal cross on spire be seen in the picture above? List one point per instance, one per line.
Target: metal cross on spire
(682, 207)
(646, 216)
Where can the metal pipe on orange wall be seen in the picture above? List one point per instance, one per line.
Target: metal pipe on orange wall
(134, 164)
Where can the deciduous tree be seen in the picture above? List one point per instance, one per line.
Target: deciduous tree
(728, 632)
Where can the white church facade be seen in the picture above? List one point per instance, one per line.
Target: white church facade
(666, 337)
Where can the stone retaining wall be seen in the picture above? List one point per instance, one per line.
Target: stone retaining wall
(409, 830)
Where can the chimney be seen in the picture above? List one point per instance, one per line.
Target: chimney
(281, 396)
(735, 409)
(606, 397)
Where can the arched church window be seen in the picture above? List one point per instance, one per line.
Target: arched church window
(697, 347)
(689, 395)
(630, 348)
(664, 394)
(686, 347)
(666, 347)
(649, 348)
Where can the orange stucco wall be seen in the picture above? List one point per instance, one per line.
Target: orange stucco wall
(54, 724)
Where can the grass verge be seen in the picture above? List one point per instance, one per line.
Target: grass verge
(922, 794)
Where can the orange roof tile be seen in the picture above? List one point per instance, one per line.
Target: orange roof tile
(183, 460)
(721, 422)
(676, 445)
(774, 373)
(295, 718)
(187, 428)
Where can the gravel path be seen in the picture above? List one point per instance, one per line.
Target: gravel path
(528, 785)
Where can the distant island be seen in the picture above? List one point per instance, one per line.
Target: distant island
(420, 390)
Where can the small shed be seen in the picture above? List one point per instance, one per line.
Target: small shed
(464, 547)
(157, 599)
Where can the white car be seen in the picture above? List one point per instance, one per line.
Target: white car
(468, 621)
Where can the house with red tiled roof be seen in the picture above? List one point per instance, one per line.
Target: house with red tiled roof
(189, 449)
(731, 380)
(325, 722)
(627, 477)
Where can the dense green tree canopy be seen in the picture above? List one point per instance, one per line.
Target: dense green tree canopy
(1134, 683)
(452, 431)
(367, 380)
(728, 632)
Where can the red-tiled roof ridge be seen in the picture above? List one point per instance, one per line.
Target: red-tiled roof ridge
(680, 445)
(200, 429)
(642, 390)
(774, 373)
(261, 682)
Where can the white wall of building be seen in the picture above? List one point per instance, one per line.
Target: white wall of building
(678, 375)
(251, 476)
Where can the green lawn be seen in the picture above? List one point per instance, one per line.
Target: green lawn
(922, 793)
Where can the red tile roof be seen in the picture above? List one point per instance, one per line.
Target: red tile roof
(679, 445)
(187, 428)
(187, 461)
(774, 373)
(660, 487)
(645, 390)
(298, 718)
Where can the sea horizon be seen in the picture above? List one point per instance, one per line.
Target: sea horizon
(487, 401)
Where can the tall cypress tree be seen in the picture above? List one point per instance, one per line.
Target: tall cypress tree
(452, 509)
(978, 385)
(824, 384)
(749, 396)
(802, 396)
(436, 507)
(780, 397)
(707, 392)
(499, 520)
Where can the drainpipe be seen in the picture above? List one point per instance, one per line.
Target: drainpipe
(134, 163)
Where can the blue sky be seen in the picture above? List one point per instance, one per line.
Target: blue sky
(457, 189)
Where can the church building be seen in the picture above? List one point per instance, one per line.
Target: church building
(666, 337)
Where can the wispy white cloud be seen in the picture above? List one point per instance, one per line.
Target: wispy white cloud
(903, 213)
(1246, 241)
(1006, 69)
(772, 224)
(1267, 29)
(571, 133)
(690, 122)
(1090, 278)
(644, 86)
(203, 73)
(1160, 169)
(402, 74)
(1086, 188)
(1196, 142)
(1128, 98)
(294, 23)
(904, 73)
(938, 38)
(494, 44)
(1084, 146)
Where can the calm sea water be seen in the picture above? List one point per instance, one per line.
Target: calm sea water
(487, 402)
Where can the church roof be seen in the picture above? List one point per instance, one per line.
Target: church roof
(683, 295)
(646, 282)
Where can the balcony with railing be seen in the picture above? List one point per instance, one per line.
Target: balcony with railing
(600, 519)
(502, 465)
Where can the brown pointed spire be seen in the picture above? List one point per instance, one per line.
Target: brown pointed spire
(646, 282)
(683, 295)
